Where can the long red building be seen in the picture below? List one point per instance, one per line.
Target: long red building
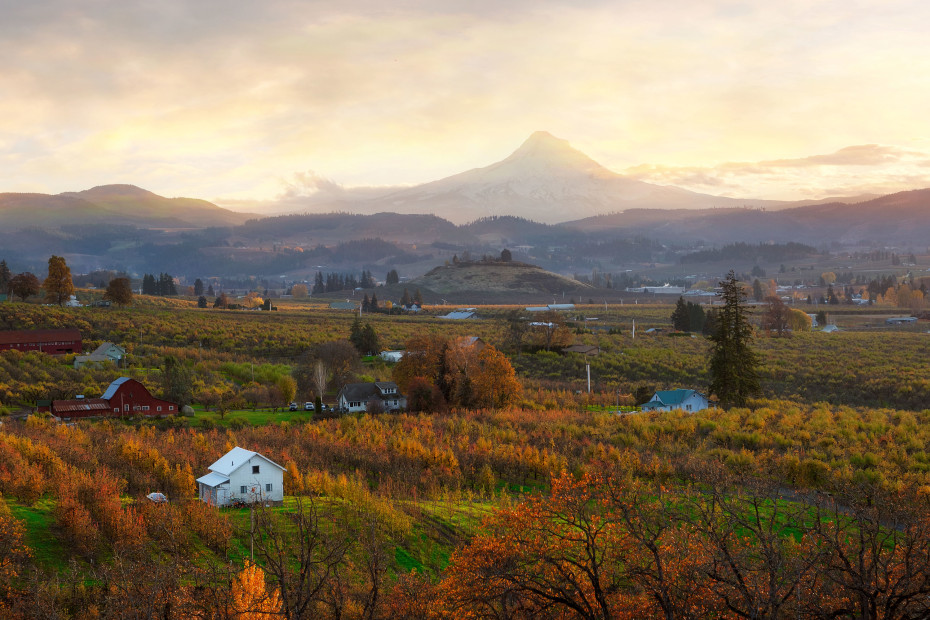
(51, 341)
(124, 397)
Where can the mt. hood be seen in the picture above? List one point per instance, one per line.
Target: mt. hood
(545, 180)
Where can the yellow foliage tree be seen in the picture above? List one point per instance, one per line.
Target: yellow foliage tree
(799, 321)
(249, 597)
(58, 286)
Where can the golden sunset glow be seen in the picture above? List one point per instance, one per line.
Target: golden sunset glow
(233, 101)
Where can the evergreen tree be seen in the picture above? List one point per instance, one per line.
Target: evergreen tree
(392, 277)
(366, 304)
(405, 299)
(318, 285)
(373, 306)
(201, 302)
(733, 364)
(5, 276)
(506, 256)
(370, 340)
(418, 298)
(198, 287)
(695, 317)
(210, 292)
(148, 285)
(363, 337)
(681, 320)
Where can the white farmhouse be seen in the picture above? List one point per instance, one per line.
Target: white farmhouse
(242, 476)
(667, 400)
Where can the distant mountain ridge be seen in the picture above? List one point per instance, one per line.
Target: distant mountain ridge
(902, 218)
(113, 205)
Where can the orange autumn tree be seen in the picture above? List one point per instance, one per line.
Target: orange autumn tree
(495, 381)
(564, 552)
(250, 600)
(438, 371)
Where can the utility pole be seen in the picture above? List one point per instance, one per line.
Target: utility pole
(588, 366)
(634, 329)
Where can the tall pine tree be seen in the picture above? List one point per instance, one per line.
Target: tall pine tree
(733, 364)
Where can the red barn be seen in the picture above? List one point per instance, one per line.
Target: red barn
(124, 397)
(51, 341)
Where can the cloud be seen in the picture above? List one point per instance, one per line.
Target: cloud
(860, 155)
(224, 98)
(869, 168)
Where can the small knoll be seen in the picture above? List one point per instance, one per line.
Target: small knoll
(496, 277)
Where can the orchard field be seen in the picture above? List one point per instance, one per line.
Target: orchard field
(813, 502)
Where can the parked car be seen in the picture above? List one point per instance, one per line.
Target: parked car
(293, 407)
(308, 406)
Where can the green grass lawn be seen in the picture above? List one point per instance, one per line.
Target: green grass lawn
(253, 418)
(47, 549)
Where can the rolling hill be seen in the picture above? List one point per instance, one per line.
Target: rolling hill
(113, 205)
(496, 277)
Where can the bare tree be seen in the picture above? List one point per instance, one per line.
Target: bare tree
(320, 377)
(304, 559)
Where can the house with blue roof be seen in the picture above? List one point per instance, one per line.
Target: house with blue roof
(667, 400)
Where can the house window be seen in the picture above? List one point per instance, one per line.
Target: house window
(125, 407)
(170, 407)
(242, 489)
(115, 409)
(688, 407)
(268, 488)
(159, 407)
(145, 408)
(255, 469)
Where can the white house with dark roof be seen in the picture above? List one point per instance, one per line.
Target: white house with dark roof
(359, 396)
(668, 400)
(242, 476)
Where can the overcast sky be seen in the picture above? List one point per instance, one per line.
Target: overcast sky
(234, 100)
